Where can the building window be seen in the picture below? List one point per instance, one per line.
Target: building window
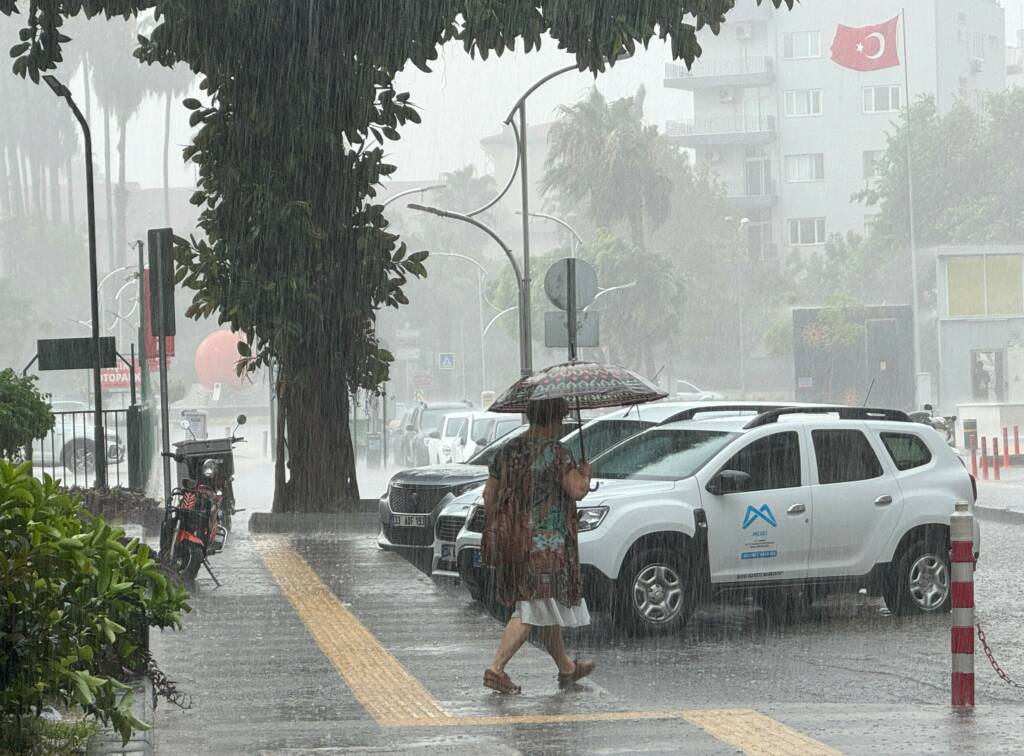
(804, 231)
(802, 102)
(980, 285)
(978, 45)
(809, 167)
(804, 44)
(884, 99)
(872, 160)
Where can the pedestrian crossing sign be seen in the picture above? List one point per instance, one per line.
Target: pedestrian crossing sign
(446, 360)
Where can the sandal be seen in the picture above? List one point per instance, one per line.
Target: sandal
(580, 670)
(501, 683)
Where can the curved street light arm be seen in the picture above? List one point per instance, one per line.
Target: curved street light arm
(415, 190)
(543, 80)
(559, 221)
(481, 268)
(482, 226)
(508, 184)
(495, 318)
(610, 289)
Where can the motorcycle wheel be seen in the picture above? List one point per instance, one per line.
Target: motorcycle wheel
(186, 561)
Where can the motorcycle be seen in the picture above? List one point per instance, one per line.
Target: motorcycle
(198, 515)
(944, 424)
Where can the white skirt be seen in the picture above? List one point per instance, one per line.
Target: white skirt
(547, 612)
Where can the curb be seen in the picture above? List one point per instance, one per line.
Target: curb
(311, 522)
(999, 514)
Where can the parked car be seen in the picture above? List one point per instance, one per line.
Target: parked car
(598, 434)
(787, 506)
(424, 420)
(482, 429)
(453, 434)
(71, 443)
(688, 392)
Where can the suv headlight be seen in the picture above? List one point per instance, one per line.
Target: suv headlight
(589, 518)
(210, 468)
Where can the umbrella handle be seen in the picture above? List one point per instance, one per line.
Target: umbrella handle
(595, 486)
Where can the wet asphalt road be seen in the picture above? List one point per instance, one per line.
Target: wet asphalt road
(846, 673)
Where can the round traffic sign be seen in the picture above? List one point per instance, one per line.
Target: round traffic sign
(556, 283)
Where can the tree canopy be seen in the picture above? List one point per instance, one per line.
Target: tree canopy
(300, 102)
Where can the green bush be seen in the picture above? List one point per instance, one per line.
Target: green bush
(69, 588)
(24, 413)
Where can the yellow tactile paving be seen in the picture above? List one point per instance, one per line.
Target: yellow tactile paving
(379, 682)
(755, 734)
(394, 698)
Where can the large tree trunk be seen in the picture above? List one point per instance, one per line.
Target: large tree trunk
(167, 160)
(321, 460)
(121, 199)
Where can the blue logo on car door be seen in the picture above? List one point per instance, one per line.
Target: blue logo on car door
(763, 513)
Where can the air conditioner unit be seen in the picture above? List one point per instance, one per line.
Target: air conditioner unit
(712, 156)
(977, 65)
(726, 94)
(745, 31)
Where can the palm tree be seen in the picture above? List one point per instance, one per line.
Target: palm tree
(604, 157)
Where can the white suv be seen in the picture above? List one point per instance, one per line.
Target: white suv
(790, 504)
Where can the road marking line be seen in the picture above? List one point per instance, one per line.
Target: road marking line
(756, 734)
(394, 698)
(377, 679)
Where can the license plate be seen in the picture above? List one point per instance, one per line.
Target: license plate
(447, 552)
(476, 557)
(408, 521)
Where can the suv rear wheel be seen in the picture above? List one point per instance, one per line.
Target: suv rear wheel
(920, 583)
(654, 593)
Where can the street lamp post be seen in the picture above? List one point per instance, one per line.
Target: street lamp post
(525, 352)
(99, 436)
(480, 277)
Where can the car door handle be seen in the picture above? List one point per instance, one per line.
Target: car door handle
(796, 509)
(883, 501)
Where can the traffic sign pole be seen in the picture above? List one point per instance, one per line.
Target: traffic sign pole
(570, 301)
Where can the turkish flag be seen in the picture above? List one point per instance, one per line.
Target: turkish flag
(867, 48)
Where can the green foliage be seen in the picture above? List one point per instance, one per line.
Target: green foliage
(69, 589)
(604, 157)
(41, 737)
(968, 174)
(24, 413)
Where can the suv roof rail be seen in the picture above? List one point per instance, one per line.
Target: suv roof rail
(845, 413)
(690, 412)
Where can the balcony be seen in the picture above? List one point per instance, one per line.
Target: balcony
(753, 194)
(754, 71)
(718, 130)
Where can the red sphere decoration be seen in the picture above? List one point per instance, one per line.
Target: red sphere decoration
(216, 358)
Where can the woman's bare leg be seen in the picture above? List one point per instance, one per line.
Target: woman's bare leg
(552, 637)
(512, 639)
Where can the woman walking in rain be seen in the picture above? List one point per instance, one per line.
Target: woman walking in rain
(530, 540)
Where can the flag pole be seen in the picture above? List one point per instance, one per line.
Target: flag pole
(910, 215)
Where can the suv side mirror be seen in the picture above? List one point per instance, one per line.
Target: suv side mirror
(482, 441)
(435, 434)
(928, 407)
(411, 428)
(240, 419)
(728, 482)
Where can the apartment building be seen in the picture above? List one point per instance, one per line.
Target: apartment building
(792, 107)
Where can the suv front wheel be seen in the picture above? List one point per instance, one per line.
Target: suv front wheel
(654, 593)
(920, 583)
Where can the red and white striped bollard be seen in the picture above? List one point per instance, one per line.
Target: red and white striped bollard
(984, 458)
(1006, 446)
(996, 459)
(961, 534)
(974, 456)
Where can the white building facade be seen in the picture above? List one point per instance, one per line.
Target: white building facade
(793, 134)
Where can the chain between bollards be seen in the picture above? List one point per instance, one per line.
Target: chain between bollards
(992, 660)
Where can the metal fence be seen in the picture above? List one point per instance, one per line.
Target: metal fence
(70, 451)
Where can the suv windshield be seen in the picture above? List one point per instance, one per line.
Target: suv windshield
(431, 419)
(661, 454)
(603, 435)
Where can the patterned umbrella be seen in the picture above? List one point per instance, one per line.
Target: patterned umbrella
(584, 385)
